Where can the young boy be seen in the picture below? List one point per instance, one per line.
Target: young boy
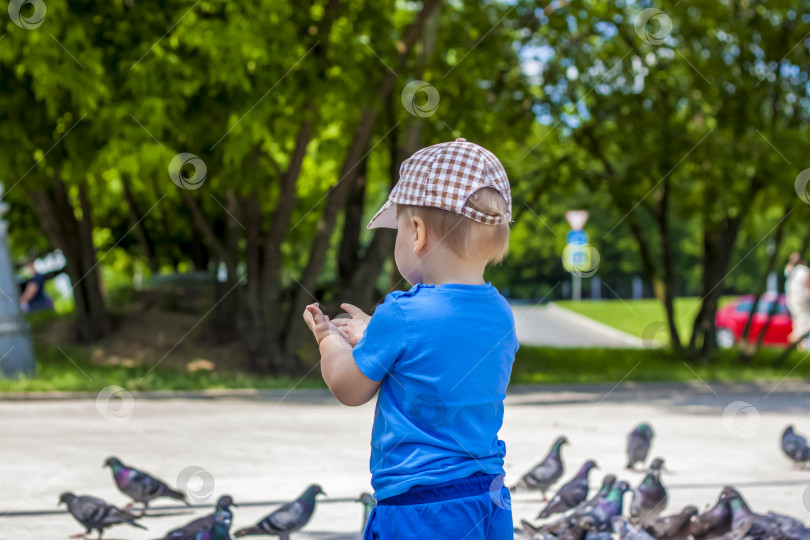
(440, 354)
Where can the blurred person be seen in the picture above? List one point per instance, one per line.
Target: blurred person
(440, 354)
(797, 298)
(33, 297)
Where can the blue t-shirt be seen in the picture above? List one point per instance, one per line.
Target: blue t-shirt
(444, 355)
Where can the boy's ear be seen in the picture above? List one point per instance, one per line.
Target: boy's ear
(419, 234)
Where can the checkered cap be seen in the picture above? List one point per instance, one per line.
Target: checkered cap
(444, 176)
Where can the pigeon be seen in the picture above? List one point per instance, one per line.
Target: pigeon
(289, 518)
(220, 530)
(368, 502)
(528, 531)
(712, 523)
(650, 497)
(795, 447)
(95, 513)
(627, 531)
(579, 530)
(584, 508)
(674, 527)
(140, 486)
(638, 445)
(747, 524)
(609, 507)
(791, 528)
(203, 524)
(571, 494)
(546, 473)
(604, 505)
(607, 484)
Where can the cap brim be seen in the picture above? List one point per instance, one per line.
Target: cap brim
(385, 218)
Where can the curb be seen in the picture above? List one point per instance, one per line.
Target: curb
(550, 392)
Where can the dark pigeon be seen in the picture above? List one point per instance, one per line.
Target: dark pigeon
(638, 445)
(587, 506)
(528, 531)
(791, 528)
(287, 519)
(140, 486)
(579, 530)
(203, 524)
(609, 507)
(220, 530)
(674, 527)
(627, 532)
(712, 523)
(795, 447)
(584, 508)
(571, 494)
(546, 473)
(747, 524)
(95, 513)
(650, 497)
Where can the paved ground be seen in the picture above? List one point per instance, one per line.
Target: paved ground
(554, 326)
(261, 447)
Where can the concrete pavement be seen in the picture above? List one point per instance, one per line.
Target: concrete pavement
(269, 445)
(553, 326)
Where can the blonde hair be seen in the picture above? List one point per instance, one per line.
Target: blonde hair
(465, 236)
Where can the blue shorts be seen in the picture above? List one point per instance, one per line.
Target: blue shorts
(474, 508)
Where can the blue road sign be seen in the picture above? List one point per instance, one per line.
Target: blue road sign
(576, 237)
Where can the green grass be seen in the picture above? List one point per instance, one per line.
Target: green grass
(57, 372)
(537, 365)
(635, 316)
(534, 365)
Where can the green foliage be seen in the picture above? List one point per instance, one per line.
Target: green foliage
(683, 148)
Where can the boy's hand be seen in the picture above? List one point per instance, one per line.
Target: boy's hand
(319, 324)
(352, 328)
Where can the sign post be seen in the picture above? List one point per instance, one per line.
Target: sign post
(576, 236)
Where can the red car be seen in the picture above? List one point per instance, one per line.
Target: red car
(731, 318)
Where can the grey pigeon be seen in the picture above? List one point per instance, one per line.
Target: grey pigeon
(579, 530)
(287, 519)
(95, 513)
(650, 497)
(627, 531)
(203, 524)
(584, 508)
(795, 447)
(638, 445)
(140, 486)
(747, 524)
(674, 527)
(220, 530)
(571, 494)
(587, 506)
(609, 507)
(546, 473)
(712, 523)
(528, 531)
(791, 528)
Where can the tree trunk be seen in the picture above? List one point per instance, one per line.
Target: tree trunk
(73, 237)
(717, 250)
